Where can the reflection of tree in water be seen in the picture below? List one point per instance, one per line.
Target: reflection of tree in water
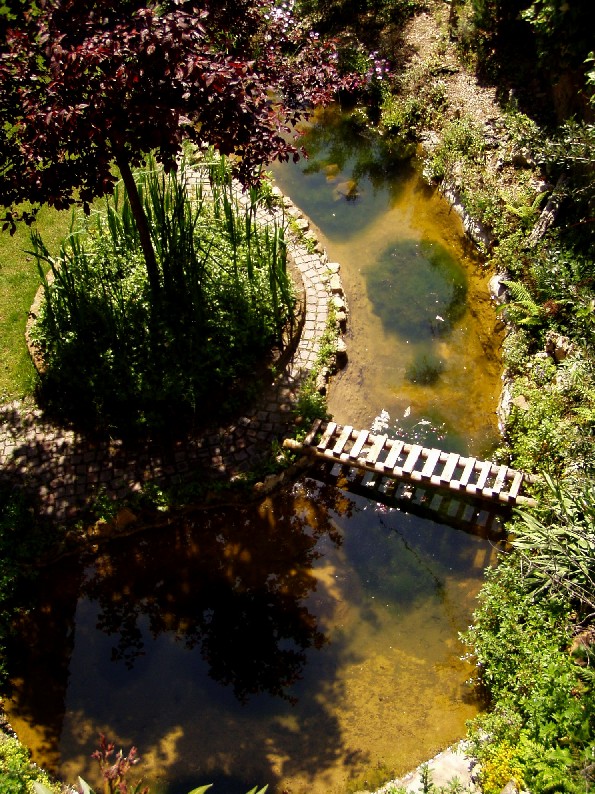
(231, 582)
(339, 143)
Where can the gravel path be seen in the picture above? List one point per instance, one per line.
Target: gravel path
(426, 40)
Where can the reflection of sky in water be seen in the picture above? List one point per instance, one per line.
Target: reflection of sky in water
(412, 429)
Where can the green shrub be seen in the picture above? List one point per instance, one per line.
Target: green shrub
(499, 765)
(510, 256)
(541, 727)
(403, 116)
(415, 103)
(516, 349)
(461, 139)
(522, 129)
(17, 774)
(337, 15)
(557, 545)
(538, 428)
(563, 279)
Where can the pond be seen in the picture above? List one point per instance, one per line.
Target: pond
(308, 642)
(423, 340)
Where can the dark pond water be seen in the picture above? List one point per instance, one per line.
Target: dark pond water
(310, 641)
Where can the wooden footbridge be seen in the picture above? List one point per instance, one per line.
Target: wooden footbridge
(398, 460)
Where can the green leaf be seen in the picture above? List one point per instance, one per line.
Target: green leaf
(85, 787)
(41, 788)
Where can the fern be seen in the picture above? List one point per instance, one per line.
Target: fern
(548, 768)
(522, 308)
(585, 415)
(527, 213)
(586, 675)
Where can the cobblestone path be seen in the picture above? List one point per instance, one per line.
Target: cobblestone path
(65, 470)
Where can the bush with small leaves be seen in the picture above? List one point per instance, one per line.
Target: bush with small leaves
(18, 775)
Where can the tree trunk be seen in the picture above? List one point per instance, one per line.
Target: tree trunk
(140, 217)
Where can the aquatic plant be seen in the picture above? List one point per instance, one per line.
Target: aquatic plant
(418, 289)
(425, 369)
(115, 769)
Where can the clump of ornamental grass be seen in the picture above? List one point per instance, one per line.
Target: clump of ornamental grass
(118, 353)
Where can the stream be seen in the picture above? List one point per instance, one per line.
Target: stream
(309, 642)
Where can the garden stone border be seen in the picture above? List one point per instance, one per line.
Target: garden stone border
(65, 470)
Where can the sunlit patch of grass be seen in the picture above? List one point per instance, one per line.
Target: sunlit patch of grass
(19, 281)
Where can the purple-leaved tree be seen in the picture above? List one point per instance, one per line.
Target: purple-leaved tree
(85, 84)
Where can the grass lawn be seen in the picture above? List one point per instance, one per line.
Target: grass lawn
(19, 281)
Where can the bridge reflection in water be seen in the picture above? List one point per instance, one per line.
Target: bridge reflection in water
(446, 508)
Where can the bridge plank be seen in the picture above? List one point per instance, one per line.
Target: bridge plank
(326, 436)
(377, 445)
(396, 447)
(484, 473)
(449, 468)
(412, 459)
(517, 481)
(313, 430)
(468, 466)
(432, 459)
(343, 439)
(501, 478)
(359, 444)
